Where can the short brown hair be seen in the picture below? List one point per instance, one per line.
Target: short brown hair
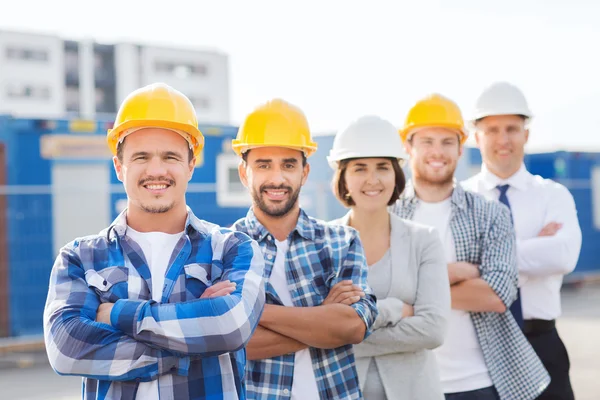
(341, 190)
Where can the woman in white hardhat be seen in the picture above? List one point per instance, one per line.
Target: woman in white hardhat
(407, 267)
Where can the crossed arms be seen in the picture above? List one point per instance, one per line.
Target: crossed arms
(146, 339)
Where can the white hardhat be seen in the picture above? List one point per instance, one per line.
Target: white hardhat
(368, 136)
(500, 98)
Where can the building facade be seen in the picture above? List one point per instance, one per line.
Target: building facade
(46, 76)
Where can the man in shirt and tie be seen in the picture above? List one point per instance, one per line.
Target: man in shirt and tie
(545, 221)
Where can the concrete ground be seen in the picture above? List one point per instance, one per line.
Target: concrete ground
(26, 375)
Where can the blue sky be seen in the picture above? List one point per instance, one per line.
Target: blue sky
(341, 59)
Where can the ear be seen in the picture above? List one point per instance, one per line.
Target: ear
(191, 167)
(305, 172)
(407, 146)
(477, 139)
(243, 173)
(118, 168)
(526, 135)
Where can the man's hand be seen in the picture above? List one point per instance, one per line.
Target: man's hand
(103, 313)
(219, 289)
(407, 310)
(550, 229)
(462, 271)
(344, 292)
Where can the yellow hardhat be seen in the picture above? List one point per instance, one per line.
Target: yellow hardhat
(156, 106)
(276, 123)
(434, 110)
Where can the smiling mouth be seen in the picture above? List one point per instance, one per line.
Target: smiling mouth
(436, 164)
(275, 194)
(372, 193)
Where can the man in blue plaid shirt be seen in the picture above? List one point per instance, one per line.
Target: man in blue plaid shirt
(318, 301)
(485, 356)
(160, 304)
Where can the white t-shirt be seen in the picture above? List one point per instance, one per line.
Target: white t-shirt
(304, 384)
(460, 358)
(158, 248)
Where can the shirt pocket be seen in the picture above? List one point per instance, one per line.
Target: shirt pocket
(110, 284)
(196, 280)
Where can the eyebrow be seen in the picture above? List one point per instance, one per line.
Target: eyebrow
(163, 154)
(379, 164)
(285, 160)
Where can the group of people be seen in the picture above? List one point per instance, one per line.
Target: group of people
(427, 288)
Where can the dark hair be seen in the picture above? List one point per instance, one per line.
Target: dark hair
(341, 190)
(245, 157)
(121, 145)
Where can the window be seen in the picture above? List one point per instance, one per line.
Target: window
(16, 91)
(181, 70)
(200, 103)
(26, 54)
(230, 191)
(72, 99)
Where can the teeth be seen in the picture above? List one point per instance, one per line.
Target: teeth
(277, 193)
(372, 192)
(436, 164)
(156, 187)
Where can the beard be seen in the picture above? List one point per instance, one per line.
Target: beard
(422, 174)
(275, 210)
(157, 209)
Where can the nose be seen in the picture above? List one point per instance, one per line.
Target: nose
(156, 167)
(503, 138)
(373, 178)
(277, 177)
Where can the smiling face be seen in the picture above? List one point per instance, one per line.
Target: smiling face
(501, 140)
(370, 182)
(155, 168)
(434, 154)
(274, 176)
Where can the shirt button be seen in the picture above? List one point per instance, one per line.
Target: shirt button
(270, 237)
(270, 256)
(286, 392)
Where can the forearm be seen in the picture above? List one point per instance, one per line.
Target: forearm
(82, 347)
(188, 327)
(185, 328)
(475, 295)
(549, 255)
(266, 343)
(324, 327)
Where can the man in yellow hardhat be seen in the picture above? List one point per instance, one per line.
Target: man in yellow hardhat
(545, 218)
(160, 304)
(484, 355)
(319, 303)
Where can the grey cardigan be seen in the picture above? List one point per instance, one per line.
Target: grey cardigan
(402, 347)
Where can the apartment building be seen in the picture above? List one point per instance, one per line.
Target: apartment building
(47, 76)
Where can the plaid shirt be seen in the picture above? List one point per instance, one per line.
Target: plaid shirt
(319, 256)
(483, 235)
(195, 348)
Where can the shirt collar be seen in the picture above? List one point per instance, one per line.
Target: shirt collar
(119, 225)
(458, 198)
(257, 231)
(519, 180)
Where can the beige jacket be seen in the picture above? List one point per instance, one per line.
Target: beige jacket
(402, 347)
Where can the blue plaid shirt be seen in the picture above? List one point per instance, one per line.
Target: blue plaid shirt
(483, 235)
(194, 347)
(319, 256)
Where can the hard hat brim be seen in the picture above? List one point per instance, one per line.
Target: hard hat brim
(114, 135)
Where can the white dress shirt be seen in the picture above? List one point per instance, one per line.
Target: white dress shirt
(542, 261)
